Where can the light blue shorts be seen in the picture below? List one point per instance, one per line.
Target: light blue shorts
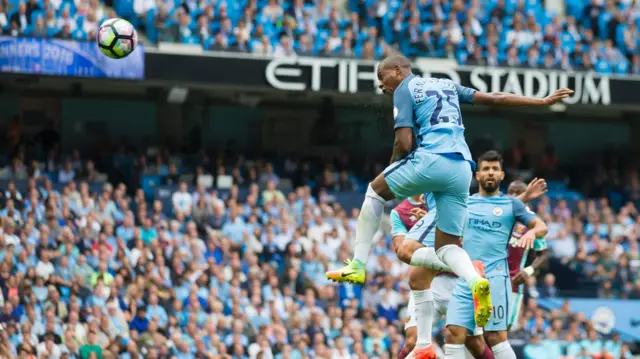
(447, 177)
(460, 311)
(424, 230)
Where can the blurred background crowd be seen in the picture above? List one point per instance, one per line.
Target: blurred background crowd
(93, 264)
(595, 35)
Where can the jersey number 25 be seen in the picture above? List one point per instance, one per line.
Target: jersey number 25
(435, 116)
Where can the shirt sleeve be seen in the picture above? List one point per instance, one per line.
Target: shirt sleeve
(402, 107)
(521, 212)
(465, 94)
(397, 227)
(540, 244)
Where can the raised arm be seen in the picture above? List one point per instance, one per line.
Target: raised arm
(535, 189)
(505, 99)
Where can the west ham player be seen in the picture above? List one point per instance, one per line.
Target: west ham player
(492, 217)
(518, 272)
(427, 116)
(403, 217)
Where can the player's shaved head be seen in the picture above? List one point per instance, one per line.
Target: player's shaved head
(395, 61)
(516, 188)
(391, 71)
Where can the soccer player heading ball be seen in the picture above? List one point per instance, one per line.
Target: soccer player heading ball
(427, 114)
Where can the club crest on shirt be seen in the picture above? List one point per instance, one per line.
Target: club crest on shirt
(417, 214)
(497, 211)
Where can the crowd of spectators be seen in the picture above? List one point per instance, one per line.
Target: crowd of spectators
(595, 35)
(77, 20)
(112, 273)
(596, 241)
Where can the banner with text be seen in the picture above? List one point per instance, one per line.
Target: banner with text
(359, 76)
(66, 58)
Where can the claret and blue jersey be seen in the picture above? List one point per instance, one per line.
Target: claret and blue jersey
(431, 107)
(488, 229)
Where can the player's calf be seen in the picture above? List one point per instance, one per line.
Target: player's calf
(419, 281)
(478, 347)
(411, 336)
(500, 345)
(454, 347)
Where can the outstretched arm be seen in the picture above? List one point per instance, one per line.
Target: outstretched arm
(504, 99)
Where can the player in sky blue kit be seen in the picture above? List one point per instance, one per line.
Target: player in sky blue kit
(430, 155)
(492, 217)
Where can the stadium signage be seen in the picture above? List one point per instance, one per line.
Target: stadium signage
(351, 76)
(589, 88)
(287, 74)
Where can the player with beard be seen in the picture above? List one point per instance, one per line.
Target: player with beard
(444, 282)
(492, 217)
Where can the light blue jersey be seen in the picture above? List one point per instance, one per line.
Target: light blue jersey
(489, 227)
(486, 236)
(432, 108)
(442, 163)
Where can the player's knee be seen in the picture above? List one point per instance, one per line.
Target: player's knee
(442, 239)
(405, 252)
(411, 339)
(495, 338)
(381, 188)
(455, 334)
(419, 278)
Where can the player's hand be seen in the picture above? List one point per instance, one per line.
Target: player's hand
(526, 241)
(520, 278)
(536, 188)
(557, 96)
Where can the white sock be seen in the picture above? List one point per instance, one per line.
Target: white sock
(426, 257)
(423, 301)
(459, 262)
(503, 351)
(454, 351)
(368, 224)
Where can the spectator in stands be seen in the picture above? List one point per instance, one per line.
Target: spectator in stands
(182, 200)
(3, 17)
(549, 289)
(21, 17)
(66, 173)
(65, 33)
(284, 48)
(512, 59)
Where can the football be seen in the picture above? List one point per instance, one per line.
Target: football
(117, 38)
